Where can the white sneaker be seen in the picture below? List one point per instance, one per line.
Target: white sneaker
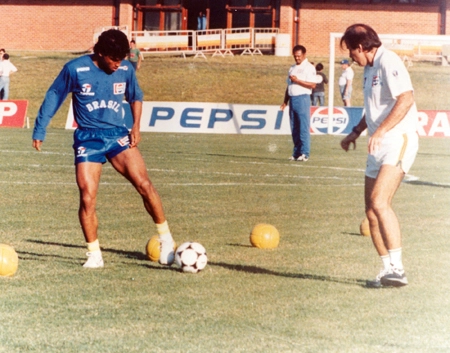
(95, 260)
(302, 158)
(166, 251)
(396, 278)
(376, 283)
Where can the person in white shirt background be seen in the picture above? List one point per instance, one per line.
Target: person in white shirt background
(2, 51)
(345, 82)
(6, 69)
(300, 83)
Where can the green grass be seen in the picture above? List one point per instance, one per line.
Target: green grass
(308, 295)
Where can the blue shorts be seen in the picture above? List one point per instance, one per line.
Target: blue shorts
(99, 145)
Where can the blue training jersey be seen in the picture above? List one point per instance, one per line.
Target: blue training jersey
(96, 96)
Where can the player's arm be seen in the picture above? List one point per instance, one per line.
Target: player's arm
(286, 99)
(136, 111)
(54, 98)
(306, 84)
(139, 60)
(351, 137)
(402, 106)
(347, 86)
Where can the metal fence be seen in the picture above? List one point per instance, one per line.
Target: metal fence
(215, 42)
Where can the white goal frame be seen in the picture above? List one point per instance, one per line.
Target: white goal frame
(410, 47)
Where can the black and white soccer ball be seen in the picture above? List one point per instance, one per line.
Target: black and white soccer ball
(191, 257)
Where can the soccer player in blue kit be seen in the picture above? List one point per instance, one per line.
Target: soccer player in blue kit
(99, 83)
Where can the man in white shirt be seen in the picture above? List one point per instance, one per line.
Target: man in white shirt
(2, 51)
(301, 80)
(345, 82)
(6, 69)
(391, 120)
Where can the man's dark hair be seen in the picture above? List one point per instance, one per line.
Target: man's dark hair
(360, 34)
(112, 43)
(5, 56)
(319, 67)
(299, 47)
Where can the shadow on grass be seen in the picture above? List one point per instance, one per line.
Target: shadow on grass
(426, 183)
(240, 245)
(135, 255)
(239, 268)
(264, 271)
(355, 235)
(129, 254)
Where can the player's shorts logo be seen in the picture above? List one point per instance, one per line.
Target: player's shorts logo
(124, 141)
(81, 152)
(119, 88)
(375, 81)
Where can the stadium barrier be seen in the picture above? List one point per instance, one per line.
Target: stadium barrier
(13, 113)
(223, 118)
(169, 42)
(216, 42)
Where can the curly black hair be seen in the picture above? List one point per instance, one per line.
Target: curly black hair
(112, 43)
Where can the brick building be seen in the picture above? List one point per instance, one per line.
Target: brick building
(69, 25)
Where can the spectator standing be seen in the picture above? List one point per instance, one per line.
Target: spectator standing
(135, 56)
(201, 21)
(391, 119)
(300, 82)
(345, 82)
(2, 51)
(318, 93)
(6, 69)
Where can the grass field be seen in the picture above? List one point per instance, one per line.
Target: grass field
(308, 295)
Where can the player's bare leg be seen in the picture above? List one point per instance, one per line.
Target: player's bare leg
(88, 178)
(131, 165)
(384, 225)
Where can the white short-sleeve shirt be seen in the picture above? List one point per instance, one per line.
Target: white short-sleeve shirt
(304, 72)
(383, 82)
(346, 75)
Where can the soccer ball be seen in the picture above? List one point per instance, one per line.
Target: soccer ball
(264, 236)
(153, 248)
(364, 228)
(191, 257)
(9, 261)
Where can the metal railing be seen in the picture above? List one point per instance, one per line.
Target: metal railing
(222, 42)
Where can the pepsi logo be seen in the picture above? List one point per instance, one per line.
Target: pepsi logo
(320, 120)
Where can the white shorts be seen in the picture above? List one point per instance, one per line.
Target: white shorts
(399, 151)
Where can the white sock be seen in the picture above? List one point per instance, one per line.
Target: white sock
(164, 231)
(94, 246)
(386, 261)
(396, 258)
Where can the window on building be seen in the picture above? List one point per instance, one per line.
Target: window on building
(238, 3)
(159, 15)
(251, 13)
(261, 3)
(263, 20)
(409, 2)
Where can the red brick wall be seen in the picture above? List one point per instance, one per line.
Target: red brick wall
(52, 24)
(69, 24)
(317, 21)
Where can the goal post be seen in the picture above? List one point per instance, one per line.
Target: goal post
(410, 48)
